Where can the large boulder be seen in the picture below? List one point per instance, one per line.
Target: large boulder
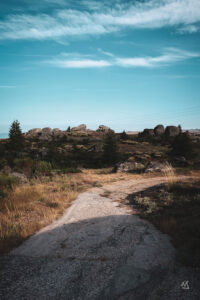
(33, 133)
(148, 132)
(130, 166)
(46, 134)
(57, 133)
(103, 128)
(159, 130)
(21, 177)
(155, 166)
(172, 130)
(47, 130)
(81, 127)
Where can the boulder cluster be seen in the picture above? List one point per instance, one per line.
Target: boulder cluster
(45, 134)
(161, 130)
(48, 134)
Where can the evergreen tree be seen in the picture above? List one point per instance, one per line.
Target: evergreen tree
(16, 137)
(123, 135)
(110, 149)
(180, 128)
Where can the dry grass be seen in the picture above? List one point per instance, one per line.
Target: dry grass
(32, 206)
(169, 174)
(29, 207)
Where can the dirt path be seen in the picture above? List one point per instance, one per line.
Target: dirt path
(97, 250)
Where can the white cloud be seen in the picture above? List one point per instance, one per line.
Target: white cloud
(188, 29)
(169, 56)
(133, 62)
(82, 63)
(102, 19)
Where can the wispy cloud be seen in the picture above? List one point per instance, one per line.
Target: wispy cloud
(106, 52)
(101, 19)
(189, 29)
(169, 56)
(84, 63)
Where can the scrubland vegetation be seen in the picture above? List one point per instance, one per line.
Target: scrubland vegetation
(39, 178)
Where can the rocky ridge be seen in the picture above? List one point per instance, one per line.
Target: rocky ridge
(47, 133)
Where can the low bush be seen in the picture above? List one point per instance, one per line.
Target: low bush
(71, 170)
(24, 165)
(43, 168)
(182, 146)
(7, 183)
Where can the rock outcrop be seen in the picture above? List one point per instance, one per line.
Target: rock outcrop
(159, 130)
(21, 177)
(130, 166)
(103, 128)
(172, 130)
(46, 134)
(57, 133)
(148, 132)
(155, 166)
(81, 127)
(33, 133)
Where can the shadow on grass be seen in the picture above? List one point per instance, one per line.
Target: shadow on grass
(175, 210)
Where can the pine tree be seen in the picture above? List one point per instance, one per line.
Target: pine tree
(16, 137)
(123, 135)
(180, 129)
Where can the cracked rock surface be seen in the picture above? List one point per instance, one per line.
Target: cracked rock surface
(98, 249)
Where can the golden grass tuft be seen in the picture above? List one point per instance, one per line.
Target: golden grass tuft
(169, 173)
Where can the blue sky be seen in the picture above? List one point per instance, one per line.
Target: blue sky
(125, 64)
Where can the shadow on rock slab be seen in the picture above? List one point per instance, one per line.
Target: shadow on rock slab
(99, 258)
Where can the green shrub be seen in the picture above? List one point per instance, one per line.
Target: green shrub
(124, 136)
(182, 146)
(3, 194)
(7, 182)
(43, 168)
(71, 170)
(24, 165)
(147, 204)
